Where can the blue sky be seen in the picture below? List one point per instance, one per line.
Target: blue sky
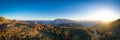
(53, 9)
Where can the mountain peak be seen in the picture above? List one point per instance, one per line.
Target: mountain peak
(61, 19)
(57, 21)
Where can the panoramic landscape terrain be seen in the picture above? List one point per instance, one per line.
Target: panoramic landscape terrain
(59, 20)
(59, 29)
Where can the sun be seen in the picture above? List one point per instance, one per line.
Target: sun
(104, 14)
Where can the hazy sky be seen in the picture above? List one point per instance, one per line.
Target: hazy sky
(68, 9)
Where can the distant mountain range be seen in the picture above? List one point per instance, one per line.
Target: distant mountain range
(60, 21)
(55, 22)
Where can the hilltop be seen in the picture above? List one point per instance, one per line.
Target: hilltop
(3, 20)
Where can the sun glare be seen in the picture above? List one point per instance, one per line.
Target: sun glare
(103, 14)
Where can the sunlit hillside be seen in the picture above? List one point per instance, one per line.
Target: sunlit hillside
(18, 30)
